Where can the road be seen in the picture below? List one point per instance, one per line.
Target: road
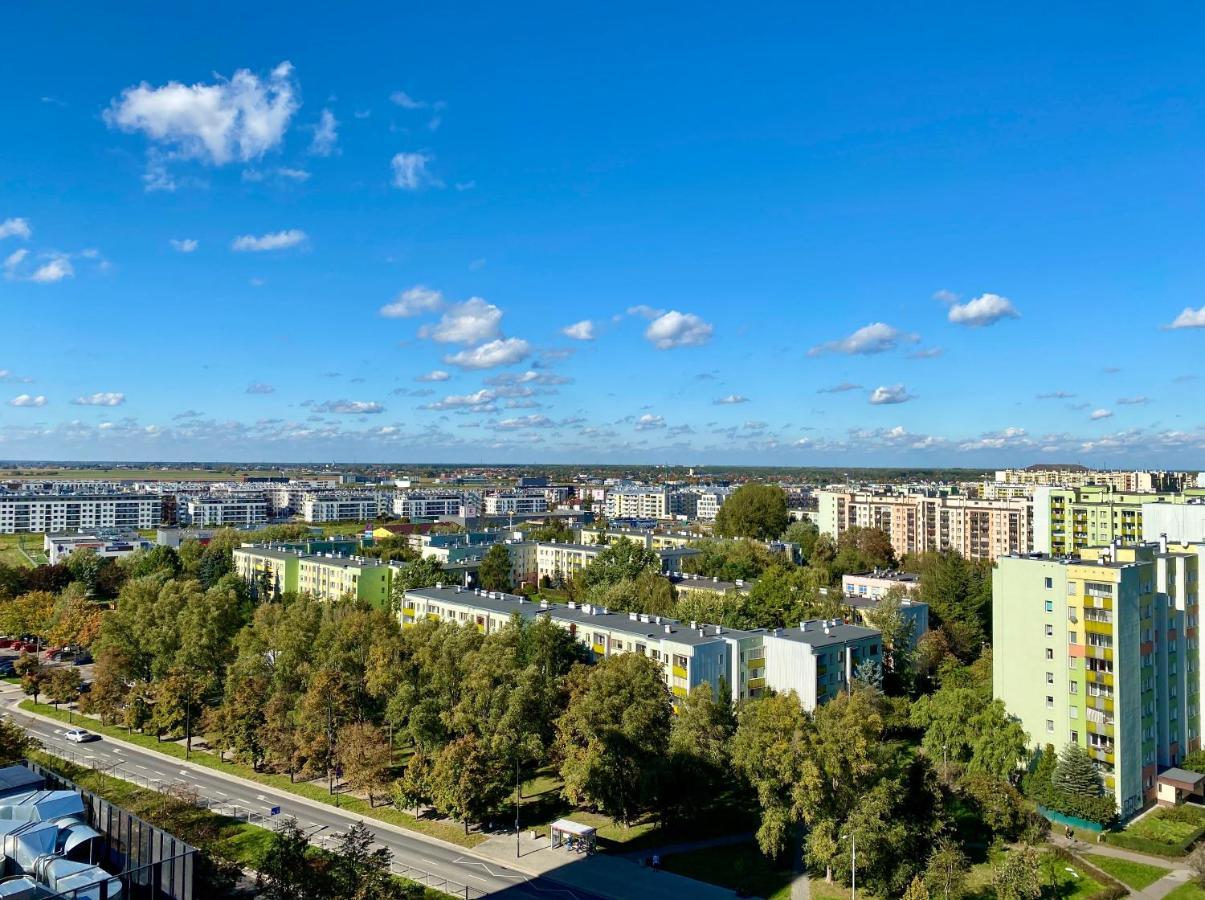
(232, 796)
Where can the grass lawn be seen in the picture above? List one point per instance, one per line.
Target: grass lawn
(10, 549)
(442, 830)
(1133, 874)
(1188, 891)
(735, 866)
(1164, 831)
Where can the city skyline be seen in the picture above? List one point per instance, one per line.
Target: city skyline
(805, 243)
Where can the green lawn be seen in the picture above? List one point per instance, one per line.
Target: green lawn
(1190, 890)
(735, 866)
(1165, 832)
(1133, 874)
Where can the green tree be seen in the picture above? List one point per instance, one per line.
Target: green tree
(964, 726)
(805, 534)
(1018, 877)
(287, 871)
(698, 761)
(740, 560)
(647, 593)
(755, 511)
(787, 595)
(613, 735)
(425, 572)
(1076, 773)
(916, 890)
(15, 744)
(62, 685)
(363, 753)
(946, 871)
(767, 751)
(360, 871)
(468, 782)
(494, 571)
(622, 560)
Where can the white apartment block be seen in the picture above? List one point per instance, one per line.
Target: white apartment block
(434, 504)
(639, 502)
(345, 506)
(234, 512)
(514, 503)
(21, 512)
(918, 523)
(1140, 481)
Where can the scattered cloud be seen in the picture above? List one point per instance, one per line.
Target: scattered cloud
(730, 400)
(27, 400)
(1055, 395)
(348, 407)
(15, 228)
(644, 312)
(502, 352)
(1111, 370)
(926, 353)
(411, 172)
(293, 174)
(676, 329)
(413, 301)
(464, 401)
(840, 388)
(55, 269)
(277, 240)
(986, 309)
(529, 377)
(877, 337)
(405, 101)
(437, 375)
(535, 420)
(103, 398)
(240, 118)
(1133, 401)
(649, 422)
(260, 388)
(470, 322)
(890, 394)
(1189, 318)
(580, 331)
(1101, 414)
(326, 135)
(185, 245)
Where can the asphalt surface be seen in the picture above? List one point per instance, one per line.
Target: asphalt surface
(468, 875)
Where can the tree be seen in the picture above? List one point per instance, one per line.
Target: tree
(613, 735)
(647, 593)
(622, 560)
(755, 511)
(62, 685)
(285, 866)
(916, 890)
(896, 627)
(30, 613)
(963, 725)
(363, 752)
(1075, 773)
(804, 534)
(425, 572)
(767, 750)
(15, 744)
(860, 548)
(946, 871)
(1018, 877)
(177, 707)
(76, 620)
(787, 595)
(109, 687)
(413, 789)
(1196, 863)
(494, 571)
(698, 761)
(360, 871)
(468, 782)
(741, 560)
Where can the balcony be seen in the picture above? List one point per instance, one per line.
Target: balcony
(678, 691)
(756, 683)
(678, 672)
(599, 649)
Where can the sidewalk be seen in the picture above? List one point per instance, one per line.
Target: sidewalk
(610, 876)
(1176, 875)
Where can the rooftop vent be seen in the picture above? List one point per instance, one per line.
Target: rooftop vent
(572, 605)
(669, 630)
(439, 585)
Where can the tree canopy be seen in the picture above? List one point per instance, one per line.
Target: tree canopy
(754, 511)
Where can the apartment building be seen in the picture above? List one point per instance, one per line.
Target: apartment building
(874, 585)
(921, 522)
(1178, 522)
(60, 546)
(219, 511)
(1070, 519)
(435, 504)
(1102, 650)
(64, 512)
(650, 538)
(1118, 480)
(330, 577)
(639, 502)
(815, 660)
(513, 503)
(862, 610)
(268, 568)
(345, 506)
(565, 561)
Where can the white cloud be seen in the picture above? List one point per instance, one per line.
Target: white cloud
(470, 322)
(11, 262)
(877, 337)
(1133, 401)
(185, 245)
(326, 134)
(649, 422)
(55, 269)
(413, 302)
(1055, 395)
(102, 398)
(730, 400)
(437, 375)
(889, 394)
(529, 377)
(986, 309)
(1101, 414)
(293, 174)
(405, 101)
(522, 422)
(27, 400)
(349, 407)
(15, 228)
(278, 240)
(260, 388)
(841, 388)
(645, 312)
(240, 118)
(579, 331)
(675, 329)
(1189, 318)
(464, 401)
(501, 352)
(410, 172)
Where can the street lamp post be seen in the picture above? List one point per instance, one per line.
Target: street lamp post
(518, 852)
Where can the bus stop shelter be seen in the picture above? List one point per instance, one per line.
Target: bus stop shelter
(575, 835)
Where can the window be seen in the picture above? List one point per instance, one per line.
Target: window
(1050, 678)
(1049, 582)
(1050, 653)
(1075, 737)
(1049, 631)
(1073, 687)
(1050, 726)
(1050, 703)
(1049, 604)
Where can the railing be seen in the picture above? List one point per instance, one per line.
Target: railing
(436, 882)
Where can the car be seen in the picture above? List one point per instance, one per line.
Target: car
(83, 658)
(6, 668)
(80, 736)
(6, 642)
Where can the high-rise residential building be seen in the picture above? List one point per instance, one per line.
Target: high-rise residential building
(639, 502)
(63, 512)
(1102, 650)
(921, 522)
(1144, 481)
(1066, 520)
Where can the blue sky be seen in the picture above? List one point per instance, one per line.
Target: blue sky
(794, 234)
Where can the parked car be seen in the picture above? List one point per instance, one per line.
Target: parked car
(83, 658)
(6, 668)
(6, 642)
(80, 736)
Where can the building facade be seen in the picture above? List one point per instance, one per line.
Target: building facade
(26, 512)
(1067, 520)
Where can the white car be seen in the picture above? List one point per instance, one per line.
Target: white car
(80, 736)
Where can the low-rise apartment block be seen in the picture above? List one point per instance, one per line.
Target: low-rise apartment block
(1118, 480)
(565, 561)
(1102, 650)
(346, 506)
(513, 503)
(59, 546)
(326, 576)
(874, 585)
(227, 511)
(816, 660)
(63, 512)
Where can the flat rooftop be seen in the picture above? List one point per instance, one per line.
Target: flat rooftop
(815, 636)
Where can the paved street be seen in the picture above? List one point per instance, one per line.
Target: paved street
(468, 874)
